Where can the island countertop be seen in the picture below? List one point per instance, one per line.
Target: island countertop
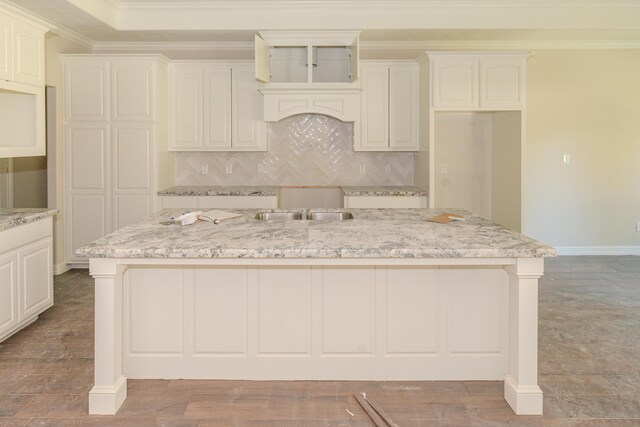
(10, 218)
(373, 233)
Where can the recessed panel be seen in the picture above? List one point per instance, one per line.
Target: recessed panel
(347, 310)
(132, 157)
(36, 278)
(87, 151)
(8, 315)
(132, 92)
(88, 220)
(86, 91)
(284, 310)
(475, 310)
(412, 310)
(156, 310)
(220, 310)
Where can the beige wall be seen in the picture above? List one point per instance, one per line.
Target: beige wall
(585, 103)
(56, 45)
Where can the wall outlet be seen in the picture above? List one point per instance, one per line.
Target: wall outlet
(444, 168)
(261, 168)
(363, 168)
(638, 227)
(204, 169)
(387, 168)
(228, 168)
(566, 158)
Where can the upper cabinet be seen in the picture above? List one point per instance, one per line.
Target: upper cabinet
(215, 106)
(21, 84)
(304, 57)
(390, 107)
(101, 90)
(477, 80)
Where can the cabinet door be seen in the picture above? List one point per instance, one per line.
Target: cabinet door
(262, 71)
(247, 127)
(6, 66)
(132, 166)
(28, 56)
(8, 292)
(501, 83)
(87, 182)
(403, 107)
(217, 107)
(185, 108)
(133, 91)
(375, 107)
(455, 83)
(36, 278)
(86, 93)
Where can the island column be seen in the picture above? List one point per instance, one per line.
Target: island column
(521, 388)
(110, 386)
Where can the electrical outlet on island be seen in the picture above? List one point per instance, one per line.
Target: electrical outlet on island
(228, 168)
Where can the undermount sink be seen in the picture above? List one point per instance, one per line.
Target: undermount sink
(304, 215)
(278, 216)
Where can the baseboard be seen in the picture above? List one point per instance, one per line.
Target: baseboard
(598, 250)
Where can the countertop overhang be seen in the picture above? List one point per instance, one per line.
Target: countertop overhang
(373, 233)
(10, 218)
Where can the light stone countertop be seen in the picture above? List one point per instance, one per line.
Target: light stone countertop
(373, 233)
(205, 190)
(384, 191)
(10, 218)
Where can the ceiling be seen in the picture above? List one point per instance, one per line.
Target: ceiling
(402, 27)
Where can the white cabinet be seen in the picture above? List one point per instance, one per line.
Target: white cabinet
(211, 202)
(390, 107)
(21, 49)
(215, 108)
(486, 81)
(26, 274)
(303, 57)
(21, 85)
(115, 143)
(28, 57)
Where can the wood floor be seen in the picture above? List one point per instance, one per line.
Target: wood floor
(589, 370)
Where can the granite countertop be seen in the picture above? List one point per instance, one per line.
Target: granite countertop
(10, 218)
(384, 191)
(373, 233)
(205, 190)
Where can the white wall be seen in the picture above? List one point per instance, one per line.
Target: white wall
(56, 45)
(585, 103)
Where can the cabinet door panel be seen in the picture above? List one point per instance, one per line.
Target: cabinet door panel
(185, 108)
(375, 107)
(87, 157)
(262, 71)
(403, 107)
(455, 83)
(501, 84)
(6, 65)
(28, 57)
(87, 89)
(246, 111)
(133, 91)
(36, 278)
(132, 157)
(8, 292)
(217, 107)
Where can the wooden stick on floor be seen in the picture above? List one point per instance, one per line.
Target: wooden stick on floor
(383, 414)
(377, 420)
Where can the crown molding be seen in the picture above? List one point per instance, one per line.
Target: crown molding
(171, 46)
(74, 37)
(15, 11)
(106, 47)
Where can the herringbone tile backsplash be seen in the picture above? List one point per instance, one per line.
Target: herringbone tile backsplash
(303, 150)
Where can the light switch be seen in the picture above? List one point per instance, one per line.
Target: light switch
(444, 168)
(566, 158)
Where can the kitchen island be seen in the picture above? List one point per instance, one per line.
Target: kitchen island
(384, 296)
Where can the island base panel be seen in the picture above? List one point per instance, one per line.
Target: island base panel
(378, 322)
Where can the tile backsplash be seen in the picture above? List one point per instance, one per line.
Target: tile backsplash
(308, 149)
